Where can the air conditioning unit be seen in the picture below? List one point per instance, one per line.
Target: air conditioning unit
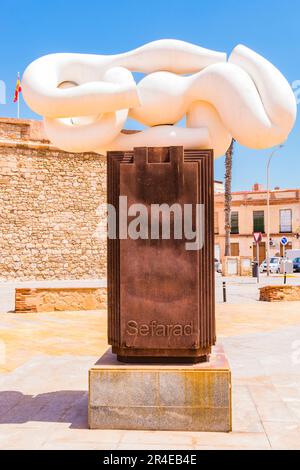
(272, 242)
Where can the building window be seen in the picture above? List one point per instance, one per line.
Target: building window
(216, 223)
(234, 222)
(259, 221)
(286, 221)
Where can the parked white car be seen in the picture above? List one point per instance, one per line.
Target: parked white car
(274, 264)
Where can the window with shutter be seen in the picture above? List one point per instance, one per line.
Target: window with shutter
(259, 221)
(286, 221)
(234, 222)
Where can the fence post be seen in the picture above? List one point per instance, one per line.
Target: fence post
(224, 292)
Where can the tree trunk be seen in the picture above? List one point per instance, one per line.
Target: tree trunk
(228, 197)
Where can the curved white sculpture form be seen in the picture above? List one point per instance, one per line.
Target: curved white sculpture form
(85, 99)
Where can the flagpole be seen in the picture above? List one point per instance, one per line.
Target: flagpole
(18, 100)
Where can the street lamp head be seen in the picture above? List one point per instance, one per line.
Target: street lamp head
(280, 146)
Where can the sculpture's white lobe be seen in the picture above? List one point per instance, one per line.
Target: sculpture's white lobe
(163, 136)
(275, 93)
(202, 115)
(85, 98)
(116, 89)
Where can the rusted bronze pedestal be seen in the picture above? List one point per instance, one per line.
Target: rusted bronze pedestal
(161, 295)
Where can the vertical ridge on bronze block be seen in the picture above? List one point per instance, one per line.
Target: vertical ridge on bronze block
(161, 295)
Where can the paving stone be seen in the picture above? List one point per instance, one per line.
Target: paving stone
(43, 386)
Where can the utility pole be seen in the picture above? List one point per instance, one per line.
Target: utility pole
(268, 207)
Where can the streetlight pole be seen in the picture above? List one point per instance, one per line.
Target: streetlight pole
(268, 207)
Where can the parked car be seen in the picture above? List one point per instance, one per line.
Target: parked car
(292, 254)
(296, 265)
(218, 266)
(274, 265)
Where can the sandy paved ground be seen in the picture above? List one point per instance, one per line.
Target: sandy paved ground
(44, 359)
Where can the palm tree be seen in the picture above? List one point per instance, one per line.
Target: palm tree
(228, 197)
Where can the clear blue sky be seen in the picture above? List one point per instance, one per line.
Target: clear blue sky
(33, 28)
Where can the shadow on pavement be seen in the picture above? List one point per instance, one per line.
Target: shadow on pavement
(66, 406)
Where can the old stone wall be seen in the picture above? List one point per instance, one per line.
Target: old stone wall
(49, 203)
(58, 299)
(280, 293)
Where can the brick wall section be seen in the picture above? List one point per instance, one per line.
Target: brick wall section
(22, 130)
(57, 299)
(280, 293)
(49, 201)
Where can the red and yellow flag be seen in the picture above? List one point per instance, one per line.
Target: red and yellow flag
(18, 89)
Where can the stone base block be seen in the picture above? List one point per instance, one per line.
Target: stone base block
(60, 299)
(283, 293)
(183, 397)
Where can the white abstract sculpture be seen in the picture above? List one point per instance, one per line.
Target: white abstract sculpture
(85, 99)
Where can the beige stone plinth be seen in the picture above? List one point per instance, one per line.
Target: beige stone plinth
(159, 396)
